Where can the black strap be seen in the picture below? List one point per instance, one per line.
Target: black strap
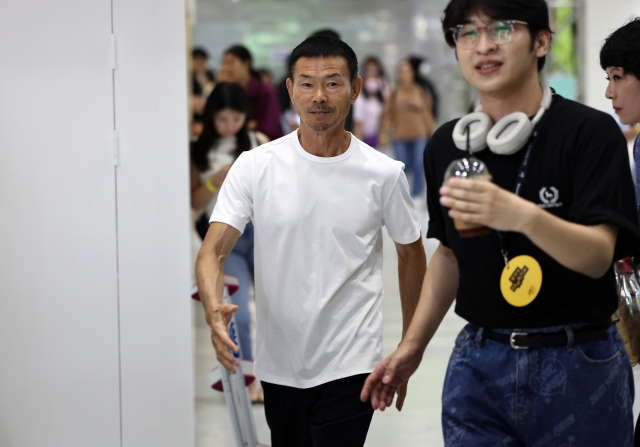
(520, 178)
(524, 166)
(523, 340)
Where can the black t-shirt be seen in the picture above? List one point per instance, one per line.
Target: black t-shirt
(579, 172)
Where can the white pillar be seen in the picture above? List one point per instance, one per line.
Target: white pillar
(153, 223)
(95, 313)
(601, 18)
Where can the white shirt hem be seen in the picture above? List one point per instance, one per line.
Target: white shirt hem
(316, 381)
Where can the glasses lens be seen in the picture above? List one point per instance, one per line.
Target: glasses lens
(466, 35)
(500, 32)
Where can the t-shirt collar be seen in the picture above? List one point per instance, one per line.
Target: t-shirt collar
(315, 158)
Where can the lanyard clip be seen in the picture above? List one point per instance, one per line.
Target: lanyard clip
(505, 255)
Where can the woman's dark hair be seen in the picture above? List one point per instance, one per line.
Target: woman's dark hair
(381, 75)
(374, 60)
(242, 53)
(325, 46)
(534, 12)
(423, 82)
(199, 52)
(226, 95)
(622, 49)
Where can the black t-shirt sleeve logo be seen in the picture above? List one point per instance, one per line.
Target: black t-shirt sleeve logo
(549, 197)
(517, 278)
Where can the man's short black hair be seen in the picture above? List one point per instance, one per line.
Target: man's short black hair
(534, 12)
(325, 46)
(622, 49)
(199, 52)
(326, 32)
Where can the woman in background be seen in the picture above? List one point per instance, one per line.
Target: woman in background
(369, 107)
(620, 59)
(224, 138)
(409, 116)
(263, 113)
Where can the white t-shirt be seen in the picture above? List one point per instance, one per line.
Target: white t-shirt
(368, 111)
(318, 254)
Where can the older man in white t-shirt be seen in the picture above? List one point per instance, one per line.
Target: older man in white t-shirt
(318, 198)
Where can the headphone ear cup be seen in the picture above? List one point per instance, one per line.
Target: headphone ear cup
(479, 124)
(510, 134)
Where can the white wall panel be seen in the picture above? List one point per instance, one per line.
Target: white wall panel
(153, 223)
(58, 296)
(601, 17)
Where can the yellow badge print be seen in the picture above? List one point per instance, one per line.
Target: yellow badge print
(521, 281)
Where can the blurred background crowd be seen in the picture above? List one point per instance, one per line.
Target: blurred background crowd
(96, 318)
(411, 79)
(412, 83)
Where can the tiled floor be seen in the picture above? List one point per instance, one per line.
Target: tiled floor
(417, 425)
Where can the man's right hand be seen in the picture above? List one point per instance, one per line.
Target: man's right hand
(219, 323)
(390, 374)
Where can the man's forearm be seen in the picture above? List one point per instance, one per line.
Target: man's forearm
(216, 246)
(583, 249)
(438, 293)
(210, 281)
(412, 264)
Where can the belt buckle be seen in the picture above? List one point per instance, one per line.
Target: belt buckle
(512, 340)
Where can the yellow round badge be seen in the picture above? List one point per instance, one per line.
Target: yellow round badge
(521, 281)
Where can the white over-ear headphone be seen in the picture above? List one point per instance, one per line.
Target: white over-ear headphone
(506, 137)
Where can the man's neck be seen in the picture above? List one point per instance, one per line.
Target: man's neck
(525, 97)
(330, 143)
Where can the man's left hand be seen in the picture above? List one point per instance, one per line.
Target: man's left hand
(485, 203)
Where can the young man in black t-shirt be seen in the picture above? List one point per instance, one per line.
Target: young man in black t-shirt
(539, 363)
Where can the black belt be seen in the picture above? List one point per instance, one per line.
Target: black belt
(522, 340)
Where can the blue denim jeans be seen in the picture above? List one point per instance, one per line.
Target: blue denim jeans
(239, 263)
(410, 153)
(575, 396)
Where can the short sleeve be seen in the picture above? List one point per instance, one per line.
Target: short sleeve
(234, 206)
(437, 228)
(603, 190)
(400, 216)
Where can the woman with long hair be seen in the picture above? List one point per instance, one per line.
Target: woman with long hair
(223, 139)
(369, 107)
(263, 113)
(409, 116)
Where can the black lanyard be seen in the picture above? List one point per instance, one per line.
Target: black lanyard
(520, 178)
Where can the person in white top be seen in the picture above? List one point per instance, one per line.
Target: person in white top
(318, 198)
(369, 107)
(223, 139)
